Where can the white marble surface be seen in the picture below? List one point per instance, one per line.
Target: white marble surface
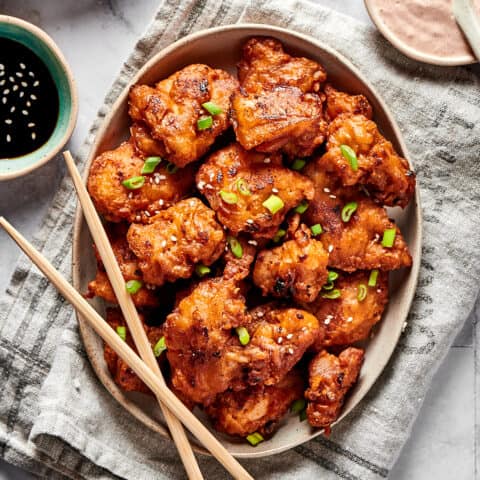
(96, 36)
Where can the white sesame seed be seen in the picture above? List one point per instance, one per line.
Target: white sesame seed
(9, 138)
(11, 79)
(36, 83)
(156, 180)
(12, 109)
(350, 319)
(304, 329)
(8, 121)
(2, 66)
(327, 321)
(150, 180)
(138, 218)
(267, 160)
(379, 290)
(259, 314)
(2, 83)
(290, 351)
(33, 97)
(275, 190)
(279, 339)
(332, 196)
(157, 212)
(377, 237)
(15, 88)
(289, 336)
(2, 73)
(200, 185)
(25, 112)
(19, 74)
(34, 135)
(162, 177)
(130, 195)
(24, 84)
(330, 248)
(253, 242)
(21, 94)
(161, 202)
(326, 190)
(30, 125)
(22, 66)
(250, 221)
(6, 91)
(208, 185)
(4, 100)
(28, 104)
(31, 74)
(173, 238)
(146, 213)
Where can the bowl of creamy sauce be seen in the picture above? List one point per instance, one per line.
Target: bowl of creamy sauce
(424, 30)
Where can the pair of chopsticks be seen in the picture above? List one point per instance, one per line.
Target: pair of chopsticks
(146, 367)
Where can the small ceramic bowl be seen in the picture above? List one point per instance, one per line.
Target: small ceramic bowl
(45, 48)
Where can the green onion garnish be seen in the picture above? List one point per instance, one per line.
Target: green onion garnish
(228, 197)
(212, 108)
(316, 229)
(122, 332)
(134, 182)
(171, 168)
(133, 286)
(273, 203)
(298, 405)
(349, 154)
(362, 292)
(332, 276)
(243, 335)
(328, 286)
(303, 415)
(159, 347)
(280, 234)
(235, 247)
(302, 207)
(298, 164)
(255, 438)
(204, 123)
(348, 210)
(332, 295)
(242, 187)
(151, 164)
(389, 237)
(372, 279)
(202, 270)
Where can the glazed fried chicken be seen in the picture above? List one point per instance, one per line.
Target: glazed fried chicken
(256, 409)
(176, 239)
(350, 318)
(122, 374)
(116, 202)
(101, 287)
(356, 244)
(236, 183)
(341, 102)
(173, 107)
(330, 378)
(385, 174)
(297, 268)
(276, 106)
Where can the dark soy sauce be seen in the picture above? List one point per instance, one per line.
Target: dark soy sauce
(28, 100)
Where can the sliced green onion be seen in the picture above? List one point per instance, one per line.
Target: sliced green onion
(134, 182)
(302, 207)
(151, 164)
(171, 168)
(235, 247)
(332, 295)
(273, 203)
(243, 335)
(298, 405)
(202, 270)
(280, 234)
(349, 154)
(362, 292)
(242, 187)
(298, 164)
(228, 197)
(159, 347)
(122, 332)
(254, 438)
(372, 279)
(389, 237)
(328, 286)
(133, 286)
(332, 276)
(303, 415)
(348, 210)
(204, 123)
(316, 229)
(212, 108)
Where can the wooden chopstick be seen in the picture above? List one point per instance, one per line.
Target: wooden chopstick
(122, 349)
(130, 313)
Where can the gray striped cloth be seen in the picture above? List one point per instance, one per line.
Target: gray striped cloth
(58, 421)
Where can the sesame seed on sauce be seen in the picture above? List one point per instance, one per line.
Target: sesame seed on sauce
(146, 213)
(290, 351)
(250, 221)
(253, 242)
(173, 238)
(267, 160)
(350, 319)
(274, 190)
(332, 196)
(330, 248)
(138, 218)
(326, 190)
(163, 243)
(289, 336)
(279, 340)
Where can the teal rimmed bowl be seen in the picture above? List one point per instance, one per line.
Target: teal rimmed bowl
(45, 48)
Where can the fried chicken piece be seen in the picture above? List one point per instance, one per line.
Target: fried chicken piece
(176, 239)
(297, 268)
(256, 409)
(340, 102)
(239, 268)
(356, 244)
(172, 109)
(276, 106)
(348, 319)
(144, 143)
(330, 378)
(121, 373)
(116, 202)
(385, 174)
(128, 263)
(252, 178)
